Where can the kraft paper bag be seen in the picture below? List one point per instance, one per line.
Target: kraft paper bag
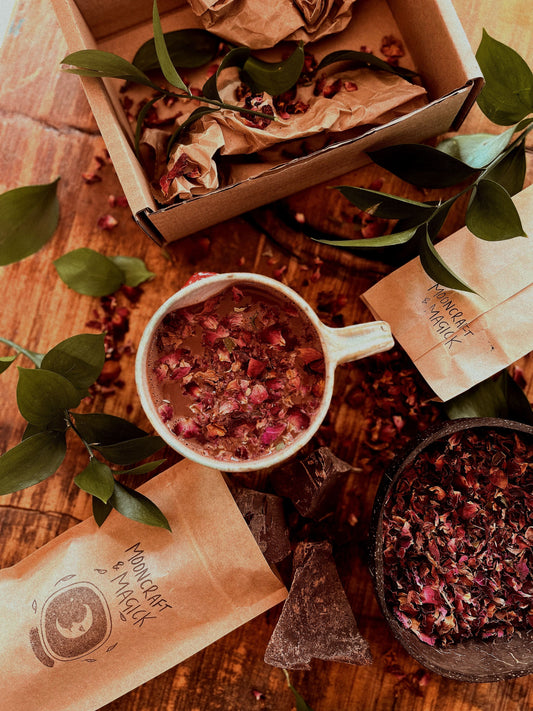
(97, 612)
(457, 339)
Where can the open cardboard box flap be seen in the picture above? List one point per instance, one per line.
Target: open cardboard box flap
(437, 48)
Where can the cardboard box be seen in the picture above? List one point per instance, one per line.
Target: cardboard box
(436, 45)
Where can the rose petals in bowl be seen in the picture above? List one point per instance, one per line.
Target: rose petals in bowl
(451, 550)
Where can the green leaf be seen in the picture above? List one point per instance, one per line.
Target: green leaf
(96, 479)
(97, 63)
(495, 397)
(423, 166)
(436, 268)
(274, 77)
(100, 428)
(191, 118)
(189, 49)
(386, 206)
(89, 272)
(134, 505)
(236, 57)
(142, 468)
(477, 150)
(5, 362)
(492, 214)
(133, 268)
(507, 96)
(510, 171)
(364, 60)
(130, 451)
(163, 56)
(100, 510)
(33, 429)
(140, 123)
(43, 395)
(301, 705)
(28, 219)
(373, 242)
(79, 359)
(31, 461)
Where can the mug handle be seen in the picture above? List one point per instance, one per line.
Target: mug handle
(357, 341)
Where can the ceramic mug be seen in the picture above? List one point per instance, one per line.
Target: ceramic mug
(339, 345)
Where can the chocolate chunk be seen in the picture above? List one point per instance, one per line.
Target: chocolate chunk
(313, 484)
(265, 517)
(316, 621)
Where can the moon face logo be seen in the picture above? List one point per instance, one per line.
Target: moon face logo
(77, 629)
(75, 621)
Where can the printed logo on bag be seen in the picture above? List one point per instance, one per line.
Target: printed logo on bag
(75, 622)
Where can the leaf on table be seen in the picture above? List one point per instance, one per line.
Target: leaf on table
(100, 510)
(436, 268)
(100, 64)
(510, 171)
(187, 49)
(104, 429)
(79, 358)
(386, 206)
(492, 215)
(165, 62)
(236, 57)
(28, 218)
(274, 78)
(477, 150)
(142, 468)
(96, 479)
(423, 166)
(372, 242)
(136, 506)
(43, 396)
(364, 60)
(130, 451)
(507, 96)
(5, 362)
(89, 272)
(301, 705)
(133, 268)
(31, 461)
(494, 397)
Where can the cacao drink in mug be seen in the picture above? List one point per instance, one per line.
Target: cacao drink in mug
(235, 371)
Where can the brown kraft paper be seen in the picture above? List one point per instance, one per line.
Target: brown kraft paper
(457, 339)
(97, 612)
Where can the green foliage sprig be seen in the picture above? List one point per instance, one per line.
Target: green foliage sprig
(28, 218)
(495, 165)
(46, 397)
(88, 272)
(195, 48)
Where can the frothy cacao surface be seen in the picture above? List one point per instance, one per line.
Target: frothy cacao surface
(239, 375)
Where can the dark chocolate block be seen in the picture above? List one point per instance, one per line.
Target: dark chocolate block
(316, 621)
(314, 483)
(265, 517)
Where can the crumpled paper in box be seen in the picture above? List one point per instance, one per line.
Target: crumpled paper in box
(258, 24)
(457, 339)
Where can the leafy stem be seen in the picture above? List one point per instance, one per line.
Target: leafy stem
(36, 358)
(72, 425)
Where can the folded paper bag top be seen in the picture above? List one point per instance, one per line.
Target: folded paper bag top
(457, 339)
(97, 612)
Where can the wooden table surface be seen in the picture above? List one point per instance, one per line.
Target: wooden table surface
(47, 130)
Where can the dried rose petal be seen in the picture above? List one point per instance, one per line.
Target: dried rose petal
(107, 222)
(272, 433)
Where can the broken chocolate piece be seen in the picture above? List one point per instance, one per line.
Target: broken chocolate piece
(266, 520)
(313, 484)
(316, 621)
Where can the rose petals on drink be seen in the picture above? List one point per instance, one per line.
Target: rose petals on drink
(238, 376)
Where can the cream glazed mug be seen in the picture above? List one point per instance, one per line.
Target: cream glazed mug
(339, 345)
